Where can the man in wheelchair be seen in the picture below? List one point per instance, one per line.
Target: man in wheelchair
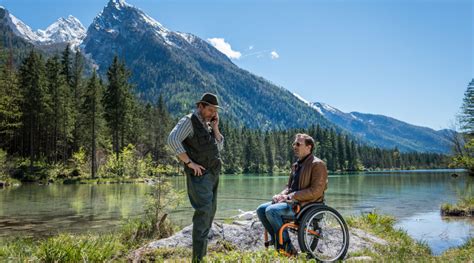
(307, 183)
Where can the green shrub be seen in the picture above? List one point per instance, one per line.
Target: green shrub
(3, 165)
(128, 164)
(80, 163)
(57, 171)
(154, 223)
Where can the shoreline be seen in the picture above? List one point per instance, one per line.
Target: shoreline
(12, 182)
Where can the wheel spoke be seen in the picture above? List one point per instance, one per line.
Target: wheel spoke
(325, 235)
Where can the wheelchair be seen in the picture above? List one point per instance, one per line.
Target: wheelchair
(322, 232)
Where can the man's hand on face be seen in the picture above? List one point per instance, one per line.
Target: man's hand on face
(215, 121)
(198, 169)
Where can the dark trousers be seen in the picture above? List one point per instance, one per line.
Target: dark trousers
(202, 192)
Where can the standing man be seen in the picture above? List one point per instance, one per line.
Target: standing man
(197, 141)
(307, 183)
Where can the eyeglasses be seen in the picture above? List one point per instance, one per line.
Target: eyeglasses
(297, 144)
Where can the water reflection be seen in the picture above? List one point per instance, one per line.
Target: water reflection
(34, 210)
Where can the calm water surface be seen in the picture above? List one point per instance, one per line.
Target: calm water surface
(414, 198)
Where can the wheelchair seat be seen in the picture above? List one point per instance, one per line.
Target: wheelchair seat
(289, 218)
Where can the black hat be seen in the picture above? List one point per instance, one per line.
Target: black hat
(209, 99)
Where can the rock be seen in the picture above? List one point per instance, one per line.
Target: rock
(249, 215)
(246, 233)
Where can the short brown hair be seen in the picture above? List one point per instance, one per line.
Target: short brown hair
(308, 140)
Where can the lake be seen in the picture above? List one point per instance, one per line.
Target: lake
(413, 197)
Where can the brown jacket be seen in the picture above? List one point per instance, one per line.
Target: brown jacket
(313, 181)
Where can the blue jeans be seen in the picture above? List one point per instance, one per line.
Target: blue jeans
(271, 217)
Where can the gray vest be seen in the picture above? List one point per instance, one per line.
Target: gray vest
(202, 147)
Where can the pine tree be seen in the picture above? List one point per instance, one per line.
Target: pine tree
(116, 103)
(269, 152)
(396, 158)
(60, 109)
(259, 152)
(332, 161)
(77, 91)
(341, 152)
(66, 65)
(464, 145)
(163, 127)
(93, 123)
(354, 164)
(467, 116)
(10, 111)
(32, 83)
(349, 154)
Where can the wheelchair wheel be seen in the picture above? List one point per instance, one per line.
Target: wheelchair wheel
(323, 234)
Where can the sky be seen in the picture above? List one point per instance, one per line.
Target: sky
(408, 59)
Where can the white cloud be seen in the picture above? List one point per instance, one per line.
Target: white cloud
(274, 55)
(224, 47)
(251, 47)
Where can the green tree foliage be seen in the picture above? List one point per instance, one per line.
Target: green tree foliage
(464, 142)
(60, 115)
(93, 123)
(467, 115)
(118, 103)
(66, 70)
(34, 106)
(10, 111)
(51, 112)
(276, 146)
(77, 96)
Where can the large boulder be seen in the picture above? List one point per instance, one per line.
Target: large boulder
(246, 234)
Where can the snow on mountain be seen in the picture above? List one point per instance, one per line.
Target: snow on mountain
(327, 107)
(21, 29)
(312, 105)
(67, 29)
(120, 17)
(110, 20)
(117, 13)
(301, 98)
(190, 38)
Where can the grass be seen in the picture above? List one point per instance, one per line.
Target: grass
(401, 247)
(64, 248)
(219, 253)
(464, 207)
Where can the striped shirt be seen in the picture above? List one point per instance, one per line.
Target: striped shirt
(183, 130)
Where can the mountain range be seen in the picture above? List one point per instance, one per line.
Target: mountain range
(181, 66)
(67, 29)
(387, 132)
